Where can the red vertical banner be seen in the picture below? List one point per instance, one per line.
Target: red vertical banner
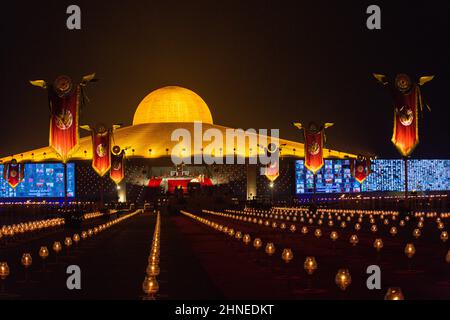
(101, 150)
(360, 168)
(13, 173)
(407, 101)
(64, 100)
(406, 122)
(313, 149)
(117, 172)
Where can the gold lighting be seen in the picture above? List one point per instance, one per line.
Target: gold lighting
(393, 231)
(444, 236)
(246, 239)
(287, 255)
(354, 239)
(57, 247)
(4, 270)
(26, 260)
(43, 253)
(343, 279)
(334, 235)
(378, 244)
(310, 265)
(150, 285)
(270, 248)
(394, 294)
(410, 250)
(257, 243)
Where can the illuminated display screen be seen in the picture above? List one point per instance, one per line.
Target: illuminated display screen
(387, 175)
(41, 180)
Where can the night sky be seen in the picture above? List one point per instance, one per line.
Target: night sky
(257, 64)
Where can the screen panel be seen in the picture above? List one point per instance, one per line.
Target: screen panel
(387, 175)
(41, 180)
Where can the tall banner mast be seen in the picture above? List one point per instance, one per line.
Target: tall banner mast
(65, 99)
(407, 100)
(315, 138)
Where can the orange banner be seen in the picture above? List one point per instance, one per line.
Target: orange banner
(313, 149)
(101, 153)
(13, 173)
(360, 168)
(406, 122)
(64, 100)
(117, 172)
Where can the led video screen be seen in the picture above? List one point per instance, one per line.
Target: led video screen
(387, 175)
(41, 180)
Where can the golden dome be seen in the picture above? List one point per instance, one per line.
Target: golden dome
(172, 104)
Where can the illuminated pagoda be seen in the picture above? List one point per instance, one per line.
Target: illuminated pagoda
(148, 152)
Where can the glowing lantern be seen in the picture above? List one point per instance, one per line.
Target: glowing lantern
(26, 260)
(378, 244)
(76, 238)
(57, 247)
(68, 241)
(246, 239)
(343, 279)
(310, 265)
(43, 253)
(374, 228)
(334, 235)
(287, 255)
(318, 233)
(152, 270)
(394, 294)
(257, 243)
(410, 250)
(270, 248)
(444, 236)
(150, 285)
(4, 270)
(416, 233)
(292, 228)
(393, 231)
(354, 239)
(304, 230)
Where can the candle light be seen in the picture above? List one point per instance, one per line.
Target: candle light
(257, 243)
(150, 285)
(43, 253)
(357, 227)
(354, 239)
(394, 294)
(152, 270)
(270, 248)
(378, 244)
(26, 260)
(334, 235)
(76, 238)
(402, 223)
(304, 230)
(84, 235)
(393, 231)
(287, 255)
(68, 241)
(310, 265)
(444, 236)
(318, 233)
(292, 228)
(343, 279)
(4, 270)
(374, 228)
(410, 250)
(238, 235)
(416, 233)
(246, 239)
(57, 247)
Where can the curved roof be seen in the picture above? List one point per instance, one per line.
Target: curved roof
(172, 104)
(153, 140)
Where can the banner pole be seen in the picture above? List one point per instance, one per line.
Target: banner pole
(405, 161)
(65, 184)
(314, 184)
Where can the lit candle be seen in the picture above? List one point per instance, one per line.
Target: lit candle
(4, 270)
(270, 248)
(444, 236)
(343, 278)
(378, 244)
(410, 250)
(152, 270)
(416, 233)
(57, 247)
(68, 241)
(246, 239)
(304, 230)
(394, 294)
(310, 265)
(287, 255)
(354, 239)
(393, 231)
(43, 253)
(150, 285)
(318, 233)
(76, 238)
(26, 260)
(257, 243)
(334, 235)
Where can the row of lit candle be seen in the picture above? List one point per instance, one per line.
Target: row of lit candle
(150, 285)
(30, 226)
(27, 260)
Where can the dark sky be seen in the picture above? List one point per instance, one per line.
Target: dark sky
(257, 64)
